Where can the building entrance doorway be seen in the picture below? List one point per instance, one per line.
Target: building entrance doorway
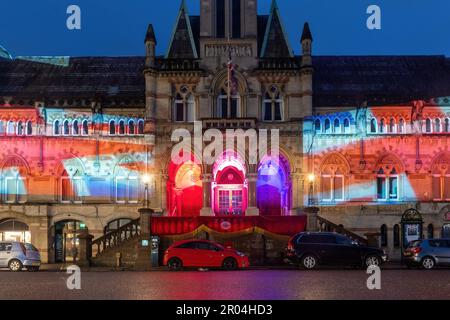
(230, 186)
(66, 240)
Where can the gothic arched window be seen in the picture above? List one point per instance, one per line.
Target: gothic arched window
(85, 126)
(66, 128)
(13, 177)
(384, 236)
(317, 126)
(382, 126)
(56, 128)
(441, 178)
(184, 106)
(112, 128)
(122, 127)
(392, 125)
(428, 126)
(29, 129)
(396, 236)
(447, 125)
(401, 126)
(11, 130)
(75, 128)
(430, 231)
(373, 125)
(333, 171)
(141, 127)
(337, 126)
(387, 184)
(71, 187)
(327, 126)
(437, 125)
(228, 107)
(346, 125)
(20, 130)
(126, 184)
(131, 127)
(273, 105)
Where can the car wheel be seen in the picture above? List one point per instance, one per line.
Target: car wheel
(229, 264)
(15, 265)
(372, 261)
(309, 262)
(428, 263)
(175, 264)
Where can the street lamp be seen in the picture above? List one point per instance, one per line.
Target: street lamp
(311, 179)
(146, 180)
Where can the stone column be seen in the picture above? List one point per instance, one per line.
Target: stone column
(297, 195)
(84, 249)
(206, 211)
(312, 223)
(252, 209)
(164, 179)
(144, 250)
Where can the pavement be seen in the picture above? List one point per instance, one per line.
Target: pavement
(324, 284)
(62, 267)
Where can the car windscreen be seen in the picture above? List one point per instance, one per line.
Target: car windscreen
(415, 244)
(317, 238)
(30, 247)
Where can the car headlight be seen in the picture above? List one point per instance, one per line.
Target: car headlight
(240, 254)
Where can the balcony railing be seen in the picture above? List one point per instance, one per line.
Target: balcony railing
(238, 123)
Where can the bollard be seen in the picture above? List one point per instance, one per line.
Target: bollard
(118, 259)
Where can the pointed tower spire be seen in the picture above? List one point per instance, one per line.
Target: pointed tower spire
(150, 35)
(276, 43)
(306, 34)
(306, 42)
(150, 47)
(182, 44)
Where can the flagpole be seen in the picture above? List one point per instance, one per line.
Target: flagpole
(229, 78)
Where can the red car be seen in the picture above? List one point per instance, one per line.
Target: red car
(201, 253)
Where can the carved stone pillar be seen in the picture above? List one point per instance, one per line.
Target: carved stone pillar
(206, 211)
(164, 178)
(252, 209)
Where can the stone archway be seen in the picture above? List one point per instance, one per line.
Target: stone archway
(274, 189)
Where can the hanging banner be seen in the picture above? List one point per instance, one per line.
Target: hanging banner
(287, 226)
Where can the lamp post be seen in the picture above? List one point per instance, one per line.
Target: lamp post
(144, 261)
(311, 179)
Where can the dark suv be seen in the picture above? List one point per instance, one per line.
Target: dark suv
(311, 249)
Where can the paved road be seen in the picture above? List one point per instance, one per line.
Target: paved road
(217, 285)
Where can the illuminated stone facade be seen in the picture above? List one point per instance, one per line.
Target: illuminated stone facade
(363, 138)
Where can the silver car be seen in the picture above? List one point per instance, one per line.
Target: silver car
(428, 253)
(17, 255)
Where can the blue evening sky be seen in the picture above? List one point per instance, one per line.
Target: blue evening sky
(117, 27)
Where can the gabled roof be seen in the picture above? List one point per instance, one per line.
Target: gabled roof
(182, 44)
(276, 43)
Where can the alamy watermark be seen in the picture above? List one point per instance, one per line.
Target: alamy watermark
(73, 282)
(234, 140)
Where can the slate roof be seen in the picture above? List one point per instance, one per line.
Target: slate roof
(345, 81)
(379, 80)
(87, 77)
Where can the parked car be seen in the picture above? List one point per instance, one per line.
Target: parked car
(428, 253)
(311, 249)
(17, 255)
(201, 253)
